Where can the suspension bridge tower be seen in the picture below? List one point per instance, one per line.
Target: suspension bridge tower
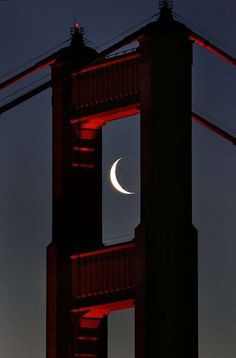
(157, 271)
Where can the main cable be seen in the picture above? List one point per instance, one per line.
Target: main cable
(203, 32)
(16, 69)
(128, 30)
(28, 86)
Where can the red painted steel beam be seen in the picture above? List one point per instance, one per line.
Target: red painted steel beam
(105, 250)
(214, 128)
(135, 110)
(29, 71)
(199, 40)
(125, 41)
(100, 119)
(87, 68)
(95, 311)
(109, 62)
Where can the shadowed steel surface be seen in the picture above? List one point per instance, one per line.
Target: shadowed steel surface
(111, 82)
(88, 91)
(105, 271)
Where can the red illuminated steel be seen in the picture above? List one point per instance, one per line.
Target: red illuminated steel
(98, 120)
(199, 40)
(48, 61)
(111, 81)
(214, 128)
(105, 271)
(115, 81)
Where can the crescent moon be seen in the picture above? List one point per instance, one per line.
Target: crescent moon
(114, 180)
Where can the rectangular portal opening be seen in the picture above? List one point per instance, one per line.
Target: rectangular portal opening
(121, 334)
(121, 211)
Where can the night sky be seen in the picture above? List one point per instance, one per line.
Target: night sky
(28, 29)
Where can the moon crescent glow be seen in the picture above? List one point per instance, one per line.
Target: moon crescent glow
(114, 180)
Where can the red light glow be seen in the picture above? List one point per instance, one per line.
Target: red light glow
(98, 120)
(212, 48)
(85, 132)
(102, 310)
(214, 128)
(89, 323)
(80, 165)
(104, 251)
(83, 149)
(109, 62)
(93, 339)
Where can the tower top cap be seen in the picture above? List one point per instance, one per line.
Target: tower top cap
(76, 29)
(166, 7)
(168, 4)
(77, 35)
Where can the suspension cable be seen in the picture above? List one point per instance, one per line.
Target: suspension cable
(33, 59)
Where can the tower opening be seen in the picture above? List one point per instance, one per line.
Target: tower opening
(121, 211)
(121, 334)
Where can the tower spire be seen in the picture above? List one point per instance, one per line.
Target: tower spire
(166, 7)
(77, 33)
(168, 4)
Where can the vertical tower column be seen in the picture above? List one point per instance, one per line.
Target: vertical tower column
(166, 293)
(77, 196)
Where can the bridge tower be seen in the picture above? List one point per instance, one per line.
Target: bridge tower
(157, 271)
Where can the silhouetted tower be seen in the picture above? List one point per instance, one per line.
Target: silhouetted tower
(166, 286)
(77, 196)
(157, 271)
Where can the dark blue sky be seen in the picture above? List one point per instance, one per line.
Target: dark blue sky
(28, 28)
